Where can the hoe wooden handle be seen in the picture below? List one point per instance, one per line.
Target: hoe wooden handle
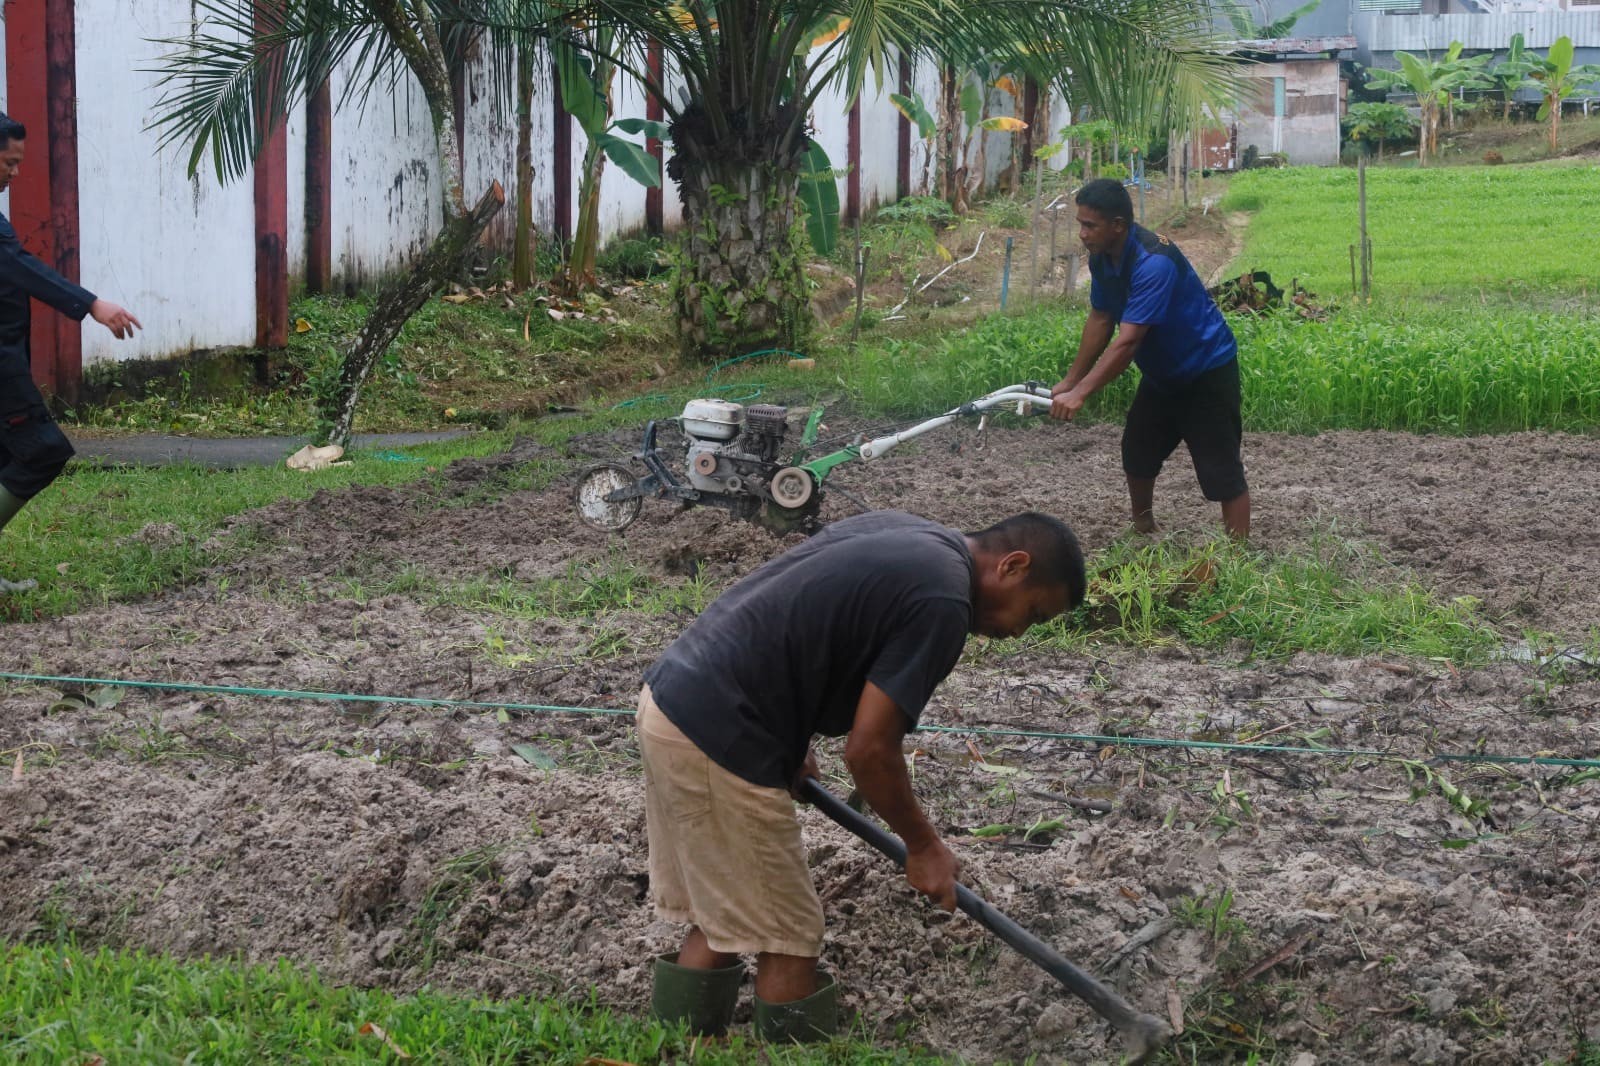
(1143, 1034)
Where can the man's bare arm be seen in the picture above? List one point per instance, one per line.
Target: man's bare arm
(873, 754)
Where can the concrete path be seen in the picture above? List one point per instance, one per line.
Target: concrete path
(227, 453)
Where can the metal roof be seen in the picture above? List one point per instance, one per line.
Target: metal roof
(1294, 46)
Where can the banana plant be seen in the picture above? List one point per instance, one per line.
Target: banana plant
(1511, 74)
(916, 112)
(1558, 79)
(1431, 81)
(1239, 17)
(964, 118)
(1379, 122)
(586, 78)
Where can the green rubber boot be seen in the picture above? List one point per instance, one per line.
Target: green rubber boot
(702, 998)
(9, 506)
(814, 1018)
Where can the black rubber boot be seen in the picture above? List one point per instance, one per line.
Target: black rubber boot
(814, 1018)
(702, 998)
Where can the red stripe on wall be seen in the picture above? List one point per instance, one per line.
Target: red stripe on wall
(561, 163)
(902, 173)
(272, 216)
(852, 183)
(61, 87)
(41, 93)
(319, 190)
(1030, 115)
(654, 218)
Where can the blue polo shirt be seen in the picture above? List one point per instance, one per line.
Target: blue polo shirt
(1155, 286)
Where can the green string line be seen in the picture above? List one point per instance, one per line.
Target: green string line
(751, 355)
(300, 694)
(544, 708)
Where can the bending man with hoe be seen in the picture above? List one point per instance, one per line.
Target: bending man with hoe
(1143, 289)
(33, 450)
(848, 633)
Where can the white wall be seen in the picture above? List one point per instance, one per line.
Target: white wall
(489, 146)
(387, 195)
(178, 253)
(295, 239)
(880, 141)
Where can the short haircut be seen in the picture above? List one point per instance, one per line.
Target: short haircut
(1056, 557)
(1107, 196)
(10, 130)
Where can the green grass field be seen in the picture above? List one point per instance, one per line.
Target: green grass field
(59, 1004)
(1526, 231)
(1451, 369)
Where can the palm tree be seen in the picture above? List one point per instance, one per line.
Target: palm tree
(235, 80)
(754, 70)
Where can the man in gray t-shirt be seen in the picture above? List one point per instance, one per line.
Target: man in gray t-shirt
(847, 634)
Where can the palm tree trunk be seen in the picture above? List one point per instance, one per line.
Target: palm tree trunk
(1555, 124)
(742, 284)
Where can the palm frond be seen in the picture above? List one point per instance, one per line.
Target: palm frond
(231, 82)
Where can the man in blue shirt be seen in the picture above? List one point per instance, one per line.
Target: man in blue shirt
(1144, 290)
(33, 450)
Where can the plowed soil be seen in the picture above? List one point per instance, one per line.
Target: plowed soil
(1344, 909)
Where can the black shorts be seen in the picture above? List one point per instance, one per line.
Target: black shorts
(33, 450)
(1204, 414)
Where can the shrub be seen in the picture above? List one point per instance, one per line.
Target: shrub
(928, 210)
(632, 257)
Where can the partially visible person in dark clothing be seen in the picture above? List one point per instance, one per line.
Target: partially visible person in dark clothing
(33, 450)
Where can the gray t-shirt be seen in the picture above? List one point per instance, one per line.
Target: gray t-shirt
(784, 654)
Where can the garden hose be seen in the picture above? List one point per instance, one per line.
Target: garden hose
(1100, 741)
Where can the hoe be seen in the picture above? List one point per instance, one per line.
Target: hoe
(1142, 1034)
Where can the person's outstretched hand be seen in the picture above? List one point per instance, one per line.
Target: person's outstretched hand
(119, 320)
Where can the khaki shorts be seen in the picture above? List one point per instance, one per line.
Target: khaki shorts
(725, 855)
